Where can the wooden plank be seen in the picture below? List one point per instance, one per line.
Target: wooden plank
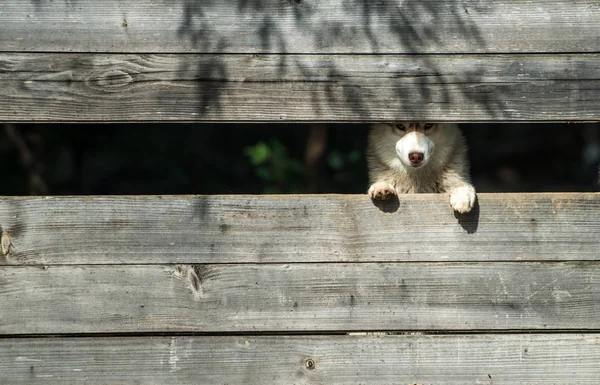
(94, 87)
(298, 228)
(301, 26)
(445, 360)
(300, 297)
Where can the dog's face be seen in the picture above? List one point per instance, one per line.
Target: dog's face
(415, 144)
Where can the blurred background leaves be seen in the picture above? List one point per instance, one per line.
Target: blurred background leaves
(272, 163)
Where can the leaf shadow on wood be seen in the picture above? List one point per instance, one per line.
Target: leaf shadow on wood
(307, 47)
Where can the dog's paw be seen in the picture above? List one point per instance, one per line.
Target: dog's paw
(381, 191)
(462, 198)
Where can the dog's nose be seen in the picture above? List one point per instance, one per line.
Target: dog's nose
(415, 158)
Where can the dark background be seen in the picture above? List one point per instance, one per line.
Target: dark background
(272, 158)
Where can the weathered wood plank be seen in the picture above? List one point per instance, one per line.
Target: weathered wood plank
(562, 359)
(298, 228)
(94, 87)
(300, 297)
(301, 26)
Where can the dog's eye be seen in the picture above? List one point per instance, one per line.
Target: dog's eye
(428, 126)
(401, 127)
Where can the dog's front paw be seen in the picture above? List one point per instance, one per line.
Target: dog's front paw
(381, 191)
(462, 198)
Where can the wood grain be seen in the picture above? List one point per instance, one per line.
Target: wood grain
(300, 297)
(561, 359)
(301, 26)
(132, 88)
(298, 228)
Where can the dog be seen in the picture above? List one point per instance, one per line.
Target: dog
(412, 157)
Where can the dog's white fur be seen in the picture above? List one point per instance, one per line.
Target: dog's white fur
(444, 168)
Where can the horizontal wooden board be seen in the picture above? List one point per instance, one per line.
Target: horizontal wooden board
(133, 88)
(301, 26)
(300, 297)
(297, 228)
(562, 359)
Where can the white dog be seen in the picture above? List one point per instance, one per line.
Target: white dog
(420, 158)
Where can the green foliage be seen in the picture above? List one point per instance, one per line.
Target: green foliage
(272, 163)
(338, 160)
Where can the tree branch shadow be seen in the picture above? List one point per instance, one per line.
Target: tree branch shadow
(39, 4)
(413, 30)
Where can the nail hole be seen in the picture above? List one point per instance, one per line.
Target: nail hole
(310, 364)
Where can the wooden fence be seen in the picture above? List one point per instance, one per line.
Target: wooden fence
(299, 60)
(299, 289)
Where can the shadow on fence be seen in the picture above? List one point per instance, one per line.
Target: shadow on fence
(286, 29)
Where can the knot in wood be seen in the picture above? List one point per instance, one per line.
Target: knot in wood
(6, 244)
(113, 79)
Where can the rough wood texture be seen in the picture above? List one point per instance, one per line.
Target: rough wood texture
(101, 87)
(300, 297)
(298, 228)
(301, 26)
(562, 359)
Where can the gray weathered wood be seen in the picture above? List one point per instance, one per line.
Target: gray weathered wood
(100, 87)
(300, 297)
(301, 26)
(298, 228)
(561, 359)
